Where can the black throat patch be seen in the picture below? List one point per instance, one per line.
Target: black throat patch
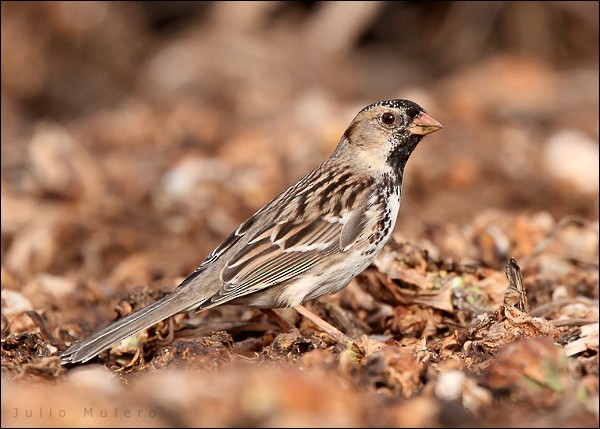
(402, 150)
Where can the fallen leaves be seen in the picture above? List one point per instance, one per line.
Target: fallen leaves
(454, 337)
(505, 326)
(534, 370)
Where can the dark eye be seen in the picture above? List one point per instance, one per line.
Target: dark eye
(388, 118)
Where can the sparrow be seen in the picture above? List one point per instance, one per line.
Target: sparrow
(308, 241)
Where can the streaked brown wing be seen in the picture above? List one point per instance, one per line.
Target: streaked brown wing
(284, 251)
(278, 254)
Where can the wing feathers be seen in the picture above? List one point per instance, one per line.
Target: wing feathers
(353, 228)
(282, 251)
(263, 263)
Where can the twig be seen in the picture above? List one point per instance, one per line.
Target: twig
(573, 322)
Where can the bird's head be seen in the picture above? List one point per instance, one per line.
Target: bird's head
(384, 134)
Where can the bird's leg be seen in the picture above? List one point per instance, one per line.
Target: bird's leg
(287, 326)
(330, 330)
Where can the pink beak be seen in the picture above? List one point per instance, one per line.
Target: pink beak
(424, 124)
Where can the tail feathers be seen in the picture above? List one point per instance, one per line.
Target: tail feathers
(86, 349)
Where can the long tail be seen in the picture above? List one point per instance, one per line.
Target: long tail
(169, 305)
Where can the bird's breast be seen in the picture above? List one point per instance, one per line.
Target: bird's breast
(384, 206)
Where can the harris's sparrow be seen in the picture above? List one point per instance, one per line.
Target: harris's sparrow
(310, 240)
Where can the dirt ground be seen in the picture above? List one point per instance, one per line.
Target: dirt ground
(136, 136)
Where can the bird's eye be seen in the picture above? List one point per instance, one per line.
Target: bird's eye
(388, 118)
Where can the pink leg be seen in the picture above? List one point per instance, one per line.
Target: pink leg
(287, 326)
(332, 331)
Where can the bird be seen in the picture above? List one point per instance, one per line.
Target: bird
(308, 241)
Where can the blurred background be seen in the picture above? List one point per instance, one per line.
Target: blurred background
(155, 128)
(137, 135)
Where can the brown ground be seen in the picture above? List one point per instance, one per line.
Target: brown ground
(131, 147)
